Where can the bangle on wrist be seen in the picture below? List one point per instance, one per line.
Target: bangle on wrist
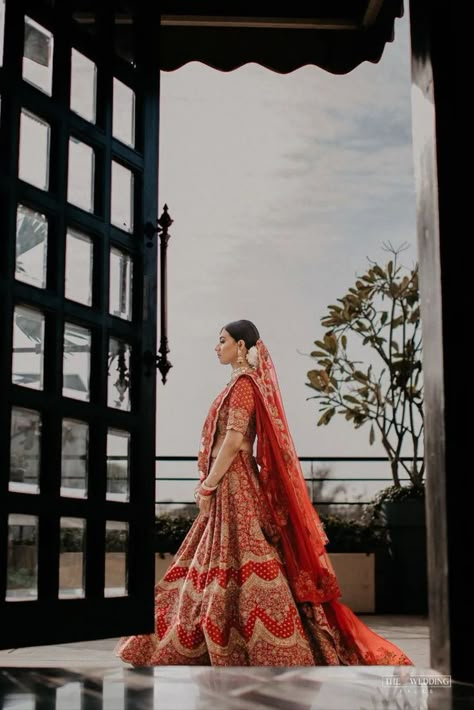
(205, 493)
(205, 490)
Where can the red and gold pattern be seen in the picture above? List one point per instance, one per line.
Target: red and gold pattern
(225, 599)
(237, 592)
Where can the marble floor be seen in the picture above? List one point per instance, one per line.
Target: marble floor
(201, 688)
(86, 676)
(410, 633)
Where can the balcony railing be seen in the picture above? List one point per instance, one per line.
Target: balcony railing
(383, 481)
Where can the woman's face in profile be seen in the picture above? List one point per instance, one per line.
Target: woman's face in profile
(226, 348)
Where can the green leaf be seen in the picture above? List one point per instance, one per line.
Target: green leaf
(371, 435)
(330, 413)
(404, 283)
(394, 290)
(415, 316)
(330, 322)
(327, 416)
(330, 342)
(350, 398)
(326, 362)
(322, 420)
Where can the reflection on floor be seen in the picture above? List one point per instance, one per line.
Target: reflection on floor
(200, 688)
(83, 676)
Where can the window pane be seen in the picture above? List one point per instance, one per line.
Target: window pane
(83, 85)
(38, 56)
(124, 113)
(31, 246)
(76, 362)
(28, 348)
(119, 375)
(2, 29)
(74, 459)
(116, 550)
(20, 699)
(22, 584)
(121, 212)
(69, 697)
(116, 697)
(78, 267)
(71, 558)
(81, 175)
(120, 294)
(34, 150)
(118, 465)
(25, 446)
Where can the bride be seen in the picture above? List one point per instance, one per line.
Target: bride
(252, 584)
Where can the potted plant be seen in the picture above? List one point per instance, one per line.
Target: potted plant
(348, 535)
(170, 531)
(354, 548)
(369, 370)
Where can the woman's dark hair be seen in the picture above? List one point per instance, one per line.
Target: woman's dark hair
(243, 330)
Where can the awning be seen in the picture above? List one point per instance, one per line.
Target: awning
(336, 35)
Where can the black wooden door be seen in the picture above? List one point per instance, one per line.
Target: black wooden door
(79, 90)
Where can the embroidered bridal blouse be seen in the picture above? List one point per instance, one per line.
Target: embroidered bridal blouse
(238, 411)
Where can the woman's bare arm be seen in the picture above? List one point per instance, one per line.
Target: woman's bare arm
(227, 453)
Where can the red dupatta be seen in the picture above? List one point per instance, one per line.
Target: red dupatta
(302, 536)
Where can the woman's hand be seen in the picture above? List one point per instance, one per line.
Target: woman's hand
(204, 503)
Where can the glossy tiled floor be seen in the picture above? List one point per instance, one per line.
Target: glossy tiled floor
(85, 676)
(409, 633)
(199, 688)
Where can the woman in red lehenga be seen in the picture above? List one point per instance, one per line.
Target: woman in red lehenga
(252, 584)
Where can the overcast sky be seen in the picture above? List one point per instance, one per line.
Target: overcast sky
(280, 186)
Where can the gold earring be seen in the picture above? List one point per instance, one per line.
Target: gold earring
(240, 359)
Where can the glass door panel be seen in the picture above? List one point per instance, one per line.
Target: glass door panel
(78, 180)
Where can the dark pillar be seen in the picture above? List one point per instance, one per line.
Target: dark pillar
(446, 302)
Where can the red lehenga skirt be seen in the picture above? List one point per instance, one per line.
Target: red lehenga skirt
(225, 599)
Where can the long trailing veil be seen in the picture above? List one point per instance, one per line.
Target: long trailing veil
(302, 535)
